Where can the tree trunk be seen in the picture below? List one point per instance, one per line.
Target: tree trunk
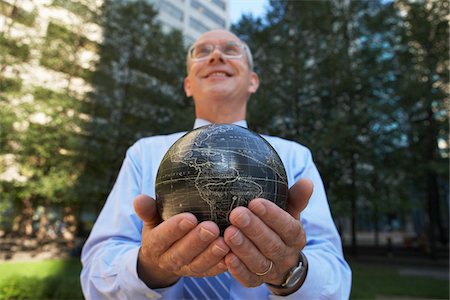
(353, 201)
(23, 222)
(70, 226)
(432, 184)
(376, 227)
(43, 225)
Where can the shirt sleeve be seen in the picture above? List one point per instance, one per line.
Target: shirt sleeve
(109, 256)
(329, 275)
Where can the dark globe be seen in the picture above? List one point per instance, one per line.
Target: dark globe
(215, 168)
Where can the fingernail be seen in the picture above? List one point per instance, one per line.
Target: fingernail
(243, 219)
(237, 238)
(219, 251)
(259, 209)
(206, 235)
(185, 225)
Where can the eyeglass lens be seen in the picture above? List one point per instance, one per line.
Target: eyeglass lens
(229, 50)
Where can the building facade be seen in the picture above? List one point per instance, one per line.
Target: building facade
(193, 17)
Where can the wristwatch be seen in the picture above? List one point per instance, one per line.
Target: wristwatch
(295, 275)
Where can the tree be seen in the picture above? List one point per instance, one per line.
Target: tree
(40, 120)
(333, 78)
(137, 92)
(423, 91)
(313, 57)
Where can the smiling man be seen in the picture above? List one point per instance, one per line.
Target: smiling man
(266, 252)
(220, 77)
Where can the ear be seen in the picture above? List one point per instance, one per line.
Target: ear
(187, 87)
(254, 83)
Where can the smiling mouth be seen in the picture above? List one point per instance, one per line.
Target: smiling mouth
(218, 75)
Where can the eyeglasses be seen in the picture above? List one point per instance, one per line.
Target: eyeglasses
(229, 50)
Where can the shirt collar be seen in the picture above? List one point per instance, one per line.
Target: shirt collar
(202, 122)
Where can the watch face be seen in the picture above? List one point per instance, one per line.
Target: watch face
(295, 276)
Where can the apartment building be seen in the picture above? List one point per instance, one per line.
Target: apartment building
(193, 17)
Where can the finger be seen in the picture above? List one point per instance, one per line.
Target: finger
(219, 268)
(286, 228)
(145, 208)
(170, 231)
(211, 261)
(183, 252)
(247, 252)
(299, 195)
(240, 271)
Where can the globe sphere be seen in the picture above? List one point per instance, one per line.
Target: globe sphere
(213, 169)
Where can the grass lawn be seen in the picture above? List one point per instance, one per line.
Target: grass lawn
(48, 279)
(385, 282)
(59, 279)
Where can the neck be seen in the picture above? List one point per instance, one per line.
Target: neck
(221, 114)
(221, 119)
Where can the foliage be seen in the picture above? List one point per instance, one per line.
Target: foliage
(344, 78)
(423, 93)
(78, 9)
(41, 127)
(61, 49)
(14, 48)
(18, 14)
(10, 85)
(44, 144)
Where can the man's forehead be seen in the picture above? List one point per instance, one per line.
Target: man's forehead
(216, 36)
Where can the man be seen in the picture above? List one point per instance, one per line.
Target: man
(266, 252)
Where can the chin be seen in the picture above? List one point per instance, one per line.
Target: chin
(219, 94)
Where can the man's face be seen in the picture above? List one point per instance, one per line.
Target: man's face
(220, 76)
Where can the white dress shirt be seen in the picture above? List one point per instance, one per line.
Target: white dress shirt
(110, 254)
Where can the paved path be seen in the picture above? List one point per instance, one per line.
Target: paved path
(436, 273)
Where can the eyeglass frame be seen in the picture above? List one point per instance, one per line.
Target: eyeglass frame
(243, 45)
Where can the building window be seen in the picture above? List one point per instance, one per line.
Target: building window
(220, 4)
(208, 13)
(172, 10)
(197, 25)
(188, 40)
(166, 27)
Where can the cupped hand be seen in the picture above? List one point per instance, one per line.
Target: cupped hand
(265, 240)
(177, 247)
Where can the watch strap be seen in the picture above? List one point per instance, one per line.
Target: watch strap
(296, 274)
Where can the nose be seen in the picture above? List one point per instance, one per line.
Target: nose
(216, 54)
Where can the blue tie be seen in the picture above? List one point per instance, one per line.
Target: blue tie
(207, 288)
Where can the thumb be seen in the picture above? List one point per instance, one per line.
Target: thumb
(145, 208)
(298, 197)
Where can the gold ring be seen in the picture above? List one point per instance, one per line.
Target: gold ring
(267, 271)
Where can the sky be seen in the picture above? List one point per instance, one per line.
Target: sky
(239, 7)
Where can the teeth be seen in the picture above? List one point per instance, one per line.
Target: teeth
(221, 74)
